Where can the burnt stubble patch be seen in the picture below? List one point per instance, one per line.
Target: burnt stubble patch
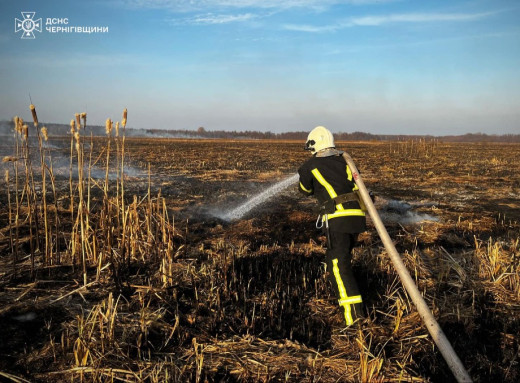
(175, 293)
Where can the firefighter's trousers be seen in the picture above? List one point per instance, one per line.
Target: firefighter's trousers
(339, 268)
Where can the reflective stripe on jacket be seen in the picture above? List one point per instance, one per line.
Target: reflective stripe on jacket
(326, 178)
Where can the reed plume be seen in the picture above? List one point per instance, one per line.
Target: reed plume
(108, 126)
(25, 132)
(45, 134)
(34, 116)
(78, 120)
(123, 121)
(84, 118)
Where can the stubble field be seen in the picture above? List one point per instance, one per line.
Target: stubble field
(141, 278)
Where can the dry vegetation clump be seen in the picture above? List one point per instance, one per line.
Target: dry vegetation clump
(110, 277)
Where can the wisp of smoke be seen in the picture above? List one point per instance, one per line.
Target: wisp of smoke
(403, 212)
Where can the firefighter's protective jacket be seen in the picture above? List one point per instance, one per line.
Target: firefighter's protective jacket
(327, 178)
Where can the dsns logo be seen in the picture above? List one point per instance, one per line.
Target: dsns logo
(28, 25)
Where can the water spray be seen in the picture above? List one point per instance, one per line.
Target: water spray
(433, 327)
(250, 204)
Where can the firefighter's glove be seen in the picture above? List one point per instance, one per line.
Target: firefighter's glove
(372, 196)
(328, 207)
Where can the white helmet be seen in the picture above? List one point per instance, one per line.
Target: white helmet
(318, 139)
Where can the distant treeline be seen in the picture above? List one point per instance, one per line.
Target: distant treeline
(6, 127)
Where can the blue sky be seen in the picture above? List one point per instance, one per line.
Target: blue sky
(383, 67)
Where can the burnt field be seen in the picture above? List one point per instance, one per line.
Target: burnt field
(123, 268)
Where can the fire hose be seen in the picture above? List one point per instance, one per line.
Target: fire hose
(433, 327)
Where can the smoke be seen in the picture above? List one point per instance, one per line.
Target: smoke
(160, 134)
(404, 213)
(59, 155)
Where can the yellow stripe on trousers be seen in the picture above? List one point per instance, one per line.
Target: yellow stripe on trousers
(344, 300)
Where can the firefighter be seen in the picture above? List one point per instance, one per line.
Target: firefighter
(327, 176)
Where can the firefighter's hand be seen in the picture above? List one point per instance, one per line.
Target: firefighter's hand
(372, 196)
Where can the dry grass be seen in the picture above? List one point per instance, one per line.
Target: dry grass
(101, 282)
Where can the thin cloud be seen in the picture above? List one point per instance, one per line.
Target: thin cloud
(210, 19)
(374, 21)
(311, 28)
(415, 18)
(190, 5)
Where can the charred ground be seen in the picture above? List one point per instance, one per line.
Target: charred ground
(179, 294)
